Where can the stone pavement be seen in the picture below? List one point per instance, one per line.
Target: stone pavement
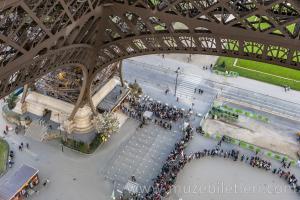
(142, 156)
(36, 130)
(222, 179)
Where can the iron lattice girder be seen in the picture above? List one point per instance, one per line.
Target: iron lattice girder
(39, 36)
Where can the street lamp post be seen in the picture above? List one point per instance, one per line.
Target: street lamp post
(177, 73)
(58, 119)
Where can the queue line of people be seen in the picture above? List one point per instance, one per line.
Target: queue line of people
(176, 161)
(254, 161)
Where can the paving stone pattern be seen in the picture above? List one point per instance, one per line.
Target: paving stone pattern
(142, 156)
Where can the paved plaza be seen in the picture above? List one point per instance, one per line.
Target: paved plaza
(142, 156)
(216, 178)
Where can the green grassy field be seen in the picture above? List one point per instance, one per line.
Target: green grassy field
(3, 155)
(265, 68)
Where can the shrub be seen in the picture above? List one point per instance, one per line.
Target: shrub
(11, 101)
(207, 135)
(239, 111)
(234, 141)
(270, 154)
(277, 157)
(293, 162)
(218, 137)
(243, 144)
(135, 88)
(223, 65)
(251, 147)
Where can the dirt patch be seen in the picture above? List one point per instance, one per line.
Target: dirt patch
(257, 133)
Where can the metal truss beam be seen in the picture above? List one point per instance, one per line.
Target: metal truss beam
(39, 36)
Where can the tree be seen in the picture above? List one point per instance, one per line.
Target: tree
(135, 88)
(11, 101)
(106, 124)
(223, 65)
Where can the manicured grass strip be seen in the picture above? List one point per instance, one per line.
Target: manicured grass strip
(3, 155)
(263, 67)
(270, 69)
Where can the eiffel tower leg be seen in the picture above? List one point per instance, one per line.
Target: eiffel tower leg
(82, 93)
(23, 98)
(120, 69)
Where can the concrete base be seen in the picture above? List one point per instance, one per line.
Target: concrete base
(36, 103)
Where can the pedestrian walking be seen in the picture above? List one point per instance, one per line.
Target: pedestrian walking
(289, 165)
(62, 148)
(6, 128)
(27, 145)
(284, 165)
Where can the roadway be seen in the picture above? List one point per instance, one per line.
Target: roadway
(161, 77)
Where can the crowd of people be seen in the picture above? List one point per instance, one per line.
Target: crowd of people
(164, 124)
(260, 163)
(176, 161)
(161, 111)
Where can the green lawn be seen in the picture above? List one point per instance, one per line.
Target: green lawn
(3, 155)
(266, 68)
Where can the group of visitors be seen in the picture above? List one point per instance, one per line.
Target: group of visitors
(21, 146)
(176, 161)
(286, 88)
(164, 124)
(284, 163)
(6, 130)
(161, 111)
(11, 158)
(260, 163)
(200, 91)
(131, 113)
(290, 178)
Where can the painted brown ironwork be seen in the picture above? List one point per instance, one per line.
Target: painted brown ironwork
(39, 36)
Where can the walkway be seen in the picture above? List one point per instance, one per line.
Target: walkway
(172, 62)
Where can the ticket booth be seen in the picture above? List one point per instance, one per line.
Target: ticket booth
(19, 185)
